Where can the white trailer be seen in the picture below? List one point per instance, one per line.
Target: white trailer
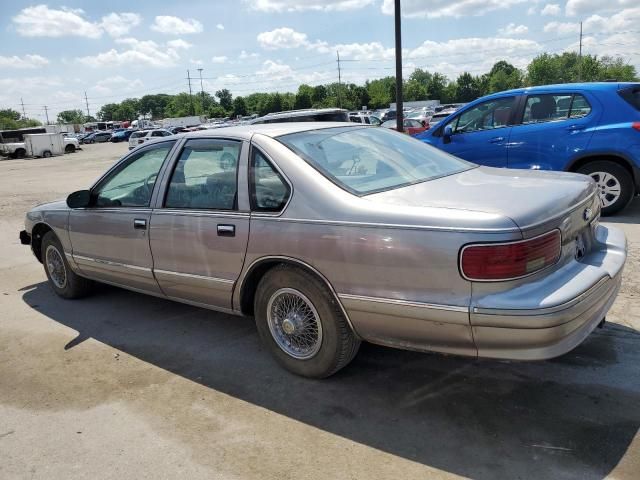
(44, 144)
(192, 121)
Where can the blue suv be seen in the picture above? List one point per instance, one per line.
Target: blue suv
(590, 128)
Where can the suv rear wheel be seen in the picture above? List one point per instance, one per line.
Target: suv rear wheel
(615, 184)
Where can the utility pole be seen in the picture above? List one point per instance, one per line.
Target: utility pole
(193, 111)
(339, 80)
(87, 102)
(399, 103)
(580, 56)
(24, 115)
(46, 112)
(201, 89)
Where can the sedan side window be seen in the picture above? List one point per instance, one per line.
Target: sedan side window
(205, 176)
(269, 191)
(131, 184)
(485, 116)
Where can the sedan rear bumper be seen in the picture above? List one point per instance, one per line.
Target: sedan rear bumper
(555, 314)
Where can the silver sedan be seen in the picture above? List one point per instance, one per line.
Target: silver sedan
(333, 234)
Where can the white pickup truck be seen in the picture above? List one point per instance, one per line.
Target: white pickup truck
(19, 150)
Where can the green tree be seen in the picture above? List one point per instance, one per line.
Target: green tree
(154, 105)
(71, 116)
(239, 107)
(108, 112)
(304, 97)
(11, 119)
(225, 98)
(468, 87)
(180, 105)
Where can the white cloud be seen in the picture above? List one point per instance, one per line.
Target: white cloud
(616, 23)
(220, 26)
(179, 43)
(531, 11)
(551, 9)
(117, 83)
(42, 21)
(475, 47)
(195, 61)
(175, 25)
(24, 62)
(584, 7)
(447, 8)
(282, 38)
(302, 5)
(244, 55)
(118, 24)
(561, 28)
(220, 59)
(513, 29)
(138, 52)
(365, 51)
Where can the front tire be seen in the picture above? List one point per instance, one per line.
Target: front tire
(301, 323)
(63, 281)
(615, 185)
(70, 148)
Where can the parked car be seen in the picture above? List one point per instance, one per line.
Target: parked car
(366, 119)
(305, 115)
(590, 128)
(121, 136)
(97, 137)
(141, 136)
(421, 116)
(412, 127)
(71, 143)
(436, 118)
(333, 233)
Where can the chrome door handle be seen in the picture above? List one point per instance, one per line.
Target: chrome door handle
(574, 128)
(226, 230)
(496, 140)
(139, 224)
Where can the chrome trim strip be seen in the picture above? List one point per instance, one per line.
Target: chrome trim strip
(543, 311)
(194, 276)
(405, 303)
(497, 244)
(110, 263)
(300, 262)
(200, 213)
(388, 225)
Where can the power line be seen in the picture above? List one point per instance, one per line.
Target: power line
(339, 80)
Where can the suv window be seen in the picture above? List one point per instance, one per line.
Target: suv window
(138, 134)
(632, 96)
(549, 108)
(485, 116)
(269, 191)
(131, 184)
(205, 176)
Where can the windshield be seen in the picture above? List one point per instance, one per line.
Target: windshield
(370, 160)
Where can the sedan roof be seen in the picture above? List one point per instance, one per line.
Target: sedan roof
(269, 129)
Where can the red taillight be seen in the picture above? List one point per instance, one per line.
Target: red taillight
(506, 261)
(636, 126)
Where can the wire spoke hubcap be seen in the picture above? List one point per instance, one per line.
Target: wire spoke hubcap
(608, 187)
(55, 267)
(294, 323)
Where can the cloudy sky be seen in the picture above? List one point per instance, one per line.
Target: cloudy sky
(50, 54)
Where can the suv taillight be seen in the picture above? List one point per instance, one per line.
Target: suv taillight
(636, 126)
(508, 261)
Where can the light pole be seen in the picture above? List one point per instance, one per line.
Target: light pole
(201, 90)
(399, 103)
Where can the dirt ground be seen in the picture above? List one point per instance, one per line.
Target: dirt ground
(121, 385)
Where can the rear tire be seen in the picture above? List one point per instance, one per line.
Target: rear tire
(70, 148)
(62, 280)
(46, 154)
(615, 185)
(20, 153)
(301, 323)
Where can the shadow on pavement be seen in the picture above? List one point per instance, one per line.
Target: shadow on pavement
(572, 417)
(631, 214)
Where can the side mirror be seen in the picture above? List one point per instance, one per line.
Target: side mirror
(446, 134)
(79, 199)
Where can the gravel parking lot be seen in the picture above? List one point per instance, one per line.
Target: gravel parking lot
(122, 385)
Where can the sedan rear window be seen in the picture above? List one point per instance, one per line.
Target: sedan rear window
(369, 160)
(631, 96)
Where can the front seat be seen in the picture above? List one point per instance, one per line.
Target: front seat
(544, 109)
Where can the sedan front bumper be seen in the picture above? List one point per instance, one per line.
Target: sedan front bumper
(550, 317)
